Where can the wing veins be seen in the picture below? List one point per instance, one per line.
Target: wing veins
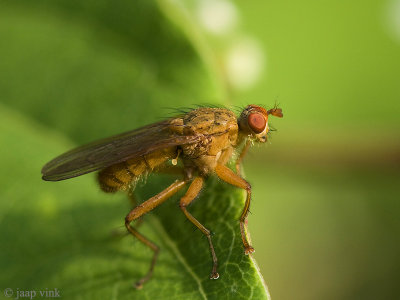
(112, 150)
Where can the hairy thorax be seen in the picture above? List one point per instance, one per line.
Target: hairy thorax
(218, 132)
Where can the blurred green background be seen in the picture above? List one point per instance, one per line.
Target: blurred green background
(325, 213)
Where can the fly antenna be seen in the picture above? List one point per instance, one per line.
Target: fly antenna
(277, 112)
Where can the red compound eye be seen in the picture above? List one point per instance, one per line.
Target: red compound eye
(257, 122)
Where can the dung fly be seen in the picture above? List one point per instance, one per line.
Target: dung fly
(202, 140)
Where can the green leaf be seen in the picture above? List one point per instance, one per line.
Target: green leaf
(75, 84)
(94, 66)
(60, 235)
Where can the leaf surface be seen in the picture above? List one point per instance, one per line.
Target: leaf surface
(73, 85)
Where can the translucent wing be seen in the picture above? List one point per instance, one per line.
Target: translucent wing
(109, 151)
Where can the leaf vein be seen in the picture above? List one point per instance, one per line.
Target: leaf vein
(172, 245)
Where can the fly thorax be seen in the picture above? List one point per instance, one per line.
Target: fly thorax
(217, 129)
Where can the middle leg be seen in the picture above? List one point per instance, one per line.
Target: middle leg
(192, 192)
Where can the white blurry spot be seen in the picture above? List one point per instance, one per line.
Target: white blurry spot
(244, 64)
(217, 16)
(392, 18)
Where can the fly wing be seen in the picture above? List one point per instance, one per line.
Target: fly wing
(109, 151)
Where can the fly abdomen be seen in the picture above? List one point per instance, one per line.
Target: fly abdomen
(122, 175)
(116, 177)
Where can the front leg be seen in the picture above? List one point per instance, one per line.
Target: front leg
(241, 156)
(230, 177)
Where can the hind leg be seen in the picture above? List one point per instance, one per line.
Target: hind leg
(142, 209)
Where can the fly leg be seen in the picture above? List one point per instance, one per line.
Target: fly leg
(133, 202)
(192, 192)
(241, 156)
(140, 210)
(230, 177)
